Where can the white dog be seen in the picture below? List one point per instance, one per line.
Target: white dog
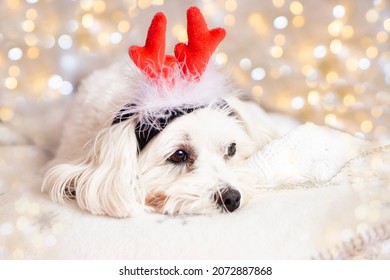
(169, 142)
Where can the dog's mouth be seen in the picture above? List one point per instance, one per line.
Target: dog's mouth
(228, 199)
(156, 201)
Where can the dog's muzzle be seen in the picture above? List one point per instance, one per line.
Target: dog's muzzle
(228, 199)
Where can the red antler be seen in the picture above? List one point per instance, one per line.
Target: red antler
(151, 58)
(202, 42)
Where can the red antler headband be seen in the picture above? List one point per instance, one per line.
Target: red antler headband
(151, 58)
(192, 58)
(177, 92)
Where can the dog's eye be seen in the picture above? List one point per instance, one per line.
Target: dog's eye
(231, 150)
(179, 156)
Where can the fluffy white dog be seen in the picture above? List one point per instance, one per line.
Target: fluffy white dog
(169, 141)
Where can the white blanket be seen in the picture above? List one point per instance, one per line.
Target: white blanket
(324, 194)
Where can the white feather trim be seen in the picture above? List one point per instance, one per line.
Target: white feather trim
(151, 99)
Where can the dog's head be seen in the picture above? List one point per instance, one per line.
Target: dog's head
(189, 167)
(175, 146)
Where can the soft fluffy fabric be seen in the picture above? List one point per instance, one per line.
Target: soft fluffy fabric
(325, 194)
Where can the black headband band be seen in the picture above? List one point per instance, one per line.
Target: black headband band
(145, 133)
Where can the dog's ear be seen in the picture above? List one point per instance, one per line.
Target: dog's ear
(254, 120)
(104, 179)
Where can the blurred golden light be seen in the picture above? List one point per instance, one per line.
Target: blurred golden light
(31, 14)
(258, 23)
(6, 114)
(123, 26)
(279, 40)
(296, 8)
(14, 71)
(366, 126)
(231, 5)
(278, 3)
(144, 4)
(376, 112)
(87, 20)
(336, 46)
(335, 28)
(298, 21)
(332, 77)
(275, 74)
(313, 97)
(31, 39)
(229, 20)
(382, 37)
(182, 36)
(11, 83)
(352, 64)
(99, 6)
(372, 16)
(104, 38)
(347, 32)
(158, 2)
(359, 88)
(331, 120)
(276, 51)
(86, 5)
(372, 52)
(360, 116)
(178, 28)
(28, 26)
(257, 91)
(220, 58)
(13, 5)
(33, 53)
(386, 24)
(306, 69)
(349, 100)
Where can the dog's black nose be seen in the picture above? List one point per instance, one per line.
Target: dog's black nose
(228, 199)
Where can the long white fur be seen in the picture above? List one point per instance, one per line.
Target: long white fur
(100, 162)
(104, 175)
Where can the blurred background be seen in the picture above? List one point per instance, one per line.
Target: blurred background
(324, 61)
